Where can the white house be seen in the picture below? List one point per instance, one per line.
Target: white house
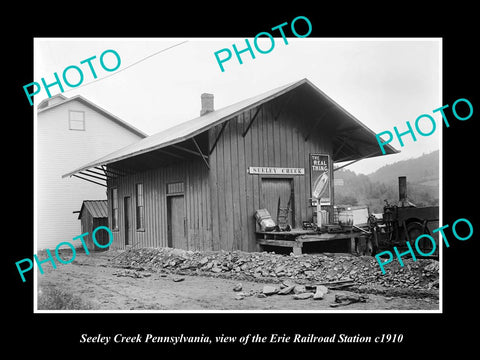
(71, 132)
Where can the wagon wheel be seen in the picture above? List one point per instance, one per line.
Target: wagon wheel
(414, 230)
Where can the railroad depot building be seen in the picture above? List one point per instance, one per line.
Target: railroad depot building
(197, 185)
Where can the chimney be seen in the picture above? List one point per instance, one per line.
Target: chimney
(207, 104)
(402, 193)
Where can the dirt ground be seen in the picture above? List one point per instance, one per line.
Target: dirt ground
(95, 284)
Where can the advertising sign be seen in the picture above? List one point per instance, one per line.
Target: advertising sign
(320, 179)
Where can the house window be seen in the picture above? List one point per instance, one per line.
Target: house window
(76, 120)
(115, 209)
(140, 207)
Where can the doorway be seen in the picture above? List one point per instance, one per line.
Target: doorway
(275, 190)
(127, 211)
(176, 222)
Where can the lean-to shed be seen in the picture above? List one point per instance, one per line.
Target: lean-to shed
(92, 214)
(197, 185)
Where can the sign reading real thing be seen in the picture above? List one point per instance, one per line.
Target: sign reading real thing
(262, 170)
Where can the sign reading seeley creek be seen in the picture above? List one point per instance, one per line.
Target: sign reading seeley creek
(265, 170)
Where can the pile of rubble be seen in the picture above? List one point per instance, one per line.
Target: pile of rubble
(358, 273)
(286, 287)
(300, 292)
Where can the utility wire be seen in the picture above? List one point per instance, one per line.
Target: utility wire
(129, 66)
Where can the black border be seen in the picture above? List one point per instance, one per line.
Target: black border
(432, 333)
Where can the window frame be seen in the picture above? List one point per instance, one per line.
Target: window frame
(76, 121)
(170, 188)
(139, 208)
(114, 209)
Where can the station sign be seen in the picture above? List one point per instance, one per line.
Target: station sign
(263, 170)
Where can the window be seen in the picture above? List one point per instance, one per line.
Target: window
(140, 208)
(175, 188)
(115, 209)
(76, 120)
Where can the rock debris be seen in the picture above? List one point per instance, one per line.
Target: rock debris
(294, 272)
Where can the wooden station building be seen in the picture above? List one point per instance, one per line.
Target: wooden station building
(197, 185)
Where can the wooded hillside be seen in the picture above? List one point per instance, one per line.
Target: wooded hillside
(422, 183)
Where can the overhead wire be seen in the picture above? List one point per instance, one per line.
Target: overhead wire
(129, 66)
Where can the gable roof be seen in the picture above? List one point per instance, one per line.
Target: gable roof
(43, 107)
(97, 208)
(44, 103)
(191, 128)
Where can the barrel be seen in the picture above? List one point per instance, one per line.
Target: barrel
(345, 219)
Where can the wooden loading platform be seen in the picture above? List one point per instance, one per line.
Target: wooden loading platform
(296, 238)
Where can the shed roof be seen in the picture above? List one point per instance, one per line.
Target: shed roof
(347, 124)
(43, 107)
(97, 208)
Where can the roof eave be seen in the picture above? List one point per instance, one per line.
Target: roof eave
(108, 159)
(104, 112)
(193, 133)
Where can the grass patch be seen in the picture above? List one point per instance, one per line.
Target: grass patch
(50, 298)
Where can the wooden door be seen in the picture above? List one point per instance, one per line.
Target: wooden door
(127, 211)
(176, 222)
(272, 190)
(102, 237)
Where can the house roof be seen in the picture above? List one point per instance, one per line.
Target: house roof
(44, 103)
(97, 208)
(43, 107)
(349, 125)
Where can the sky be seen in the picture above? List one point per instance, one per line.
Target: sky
(382, 82)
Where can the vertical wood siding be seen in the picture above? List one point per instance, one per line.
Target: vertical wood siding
(86, 221)
(88, 225)
(220, 203)
(235, 194)
(197, 205)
